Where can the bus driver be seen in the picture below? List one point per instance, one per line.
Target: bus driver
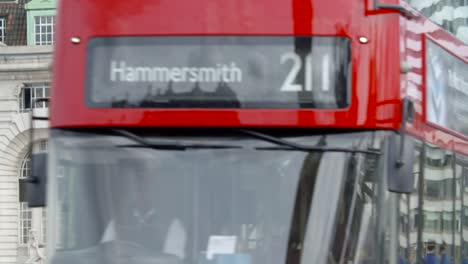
(142, 222)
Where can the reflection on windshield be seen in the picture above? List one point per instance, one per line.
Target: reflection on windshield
(222, 97)
(243, 206)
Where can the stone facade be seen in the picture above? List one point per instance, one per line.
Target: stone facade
(20, 67)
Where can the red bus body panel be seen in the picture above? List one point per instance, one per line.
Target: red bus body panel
(377, 84)
(414, 35)
(375, 92)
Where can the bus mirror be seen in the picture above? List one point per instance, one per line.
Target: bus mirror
(400, 176)
(33, 188)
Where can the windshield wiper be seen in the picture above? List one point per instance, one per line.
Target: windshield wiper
(288, 145)
(144, 143)
(281, 144)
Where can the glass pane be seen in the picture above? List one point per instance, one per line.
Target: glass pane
(357, 212)
(438, 210)
(219, 72)
(409, 220)
(37, 20)
(257, 201)
(27, 98)
(462, 174)
(39, 92)
(458, 185)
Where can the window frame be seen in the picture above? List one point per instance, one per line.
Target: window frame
(26, 105)
(3, 22)
(25, 213)
(38, 23)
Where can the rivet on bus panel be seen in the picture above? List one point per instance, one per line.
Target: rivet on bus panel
(75, 40)
(363, 40)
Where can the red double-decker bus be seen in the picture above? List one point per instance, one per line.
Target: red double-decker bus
(238, 131)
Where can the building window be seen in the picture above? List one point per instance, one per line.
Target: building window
(25, 213)
(25, 223)
(44, 30)
(43, 146)
(30, 93)
(44, 225)
(2, 29)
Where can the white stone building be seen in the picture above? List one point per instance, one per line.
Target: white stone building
(25, 74)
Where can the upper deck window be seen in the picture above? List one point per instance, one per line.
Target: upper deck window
(446, 89)
(218, 72)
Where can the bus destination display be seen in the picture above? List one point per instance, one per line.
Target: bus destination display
(218, 72)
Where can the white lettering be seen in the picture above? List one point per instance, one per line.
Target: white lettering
(176, 75)
(161, 74)
(184, 73)
(130, 75)
(326, 73)
(144, 74)
(289, 85)
(193, 75)
(207, 75)
(121, 71)
(236, 72)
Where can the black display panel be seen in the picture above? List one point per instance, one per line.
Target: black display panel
(218, 72)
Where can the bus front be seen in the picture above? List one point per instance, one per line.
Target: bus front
(223, 135)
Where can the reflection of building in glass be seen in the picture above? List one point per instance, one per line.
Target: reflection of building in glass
(438, 208)
(441, 210)
(452, 15)
(437, 87)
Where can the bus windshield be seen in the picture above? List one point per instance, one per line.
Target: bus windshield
(113, 200)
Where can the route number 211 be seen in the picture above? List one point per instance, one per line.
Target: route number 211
(289, 84)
